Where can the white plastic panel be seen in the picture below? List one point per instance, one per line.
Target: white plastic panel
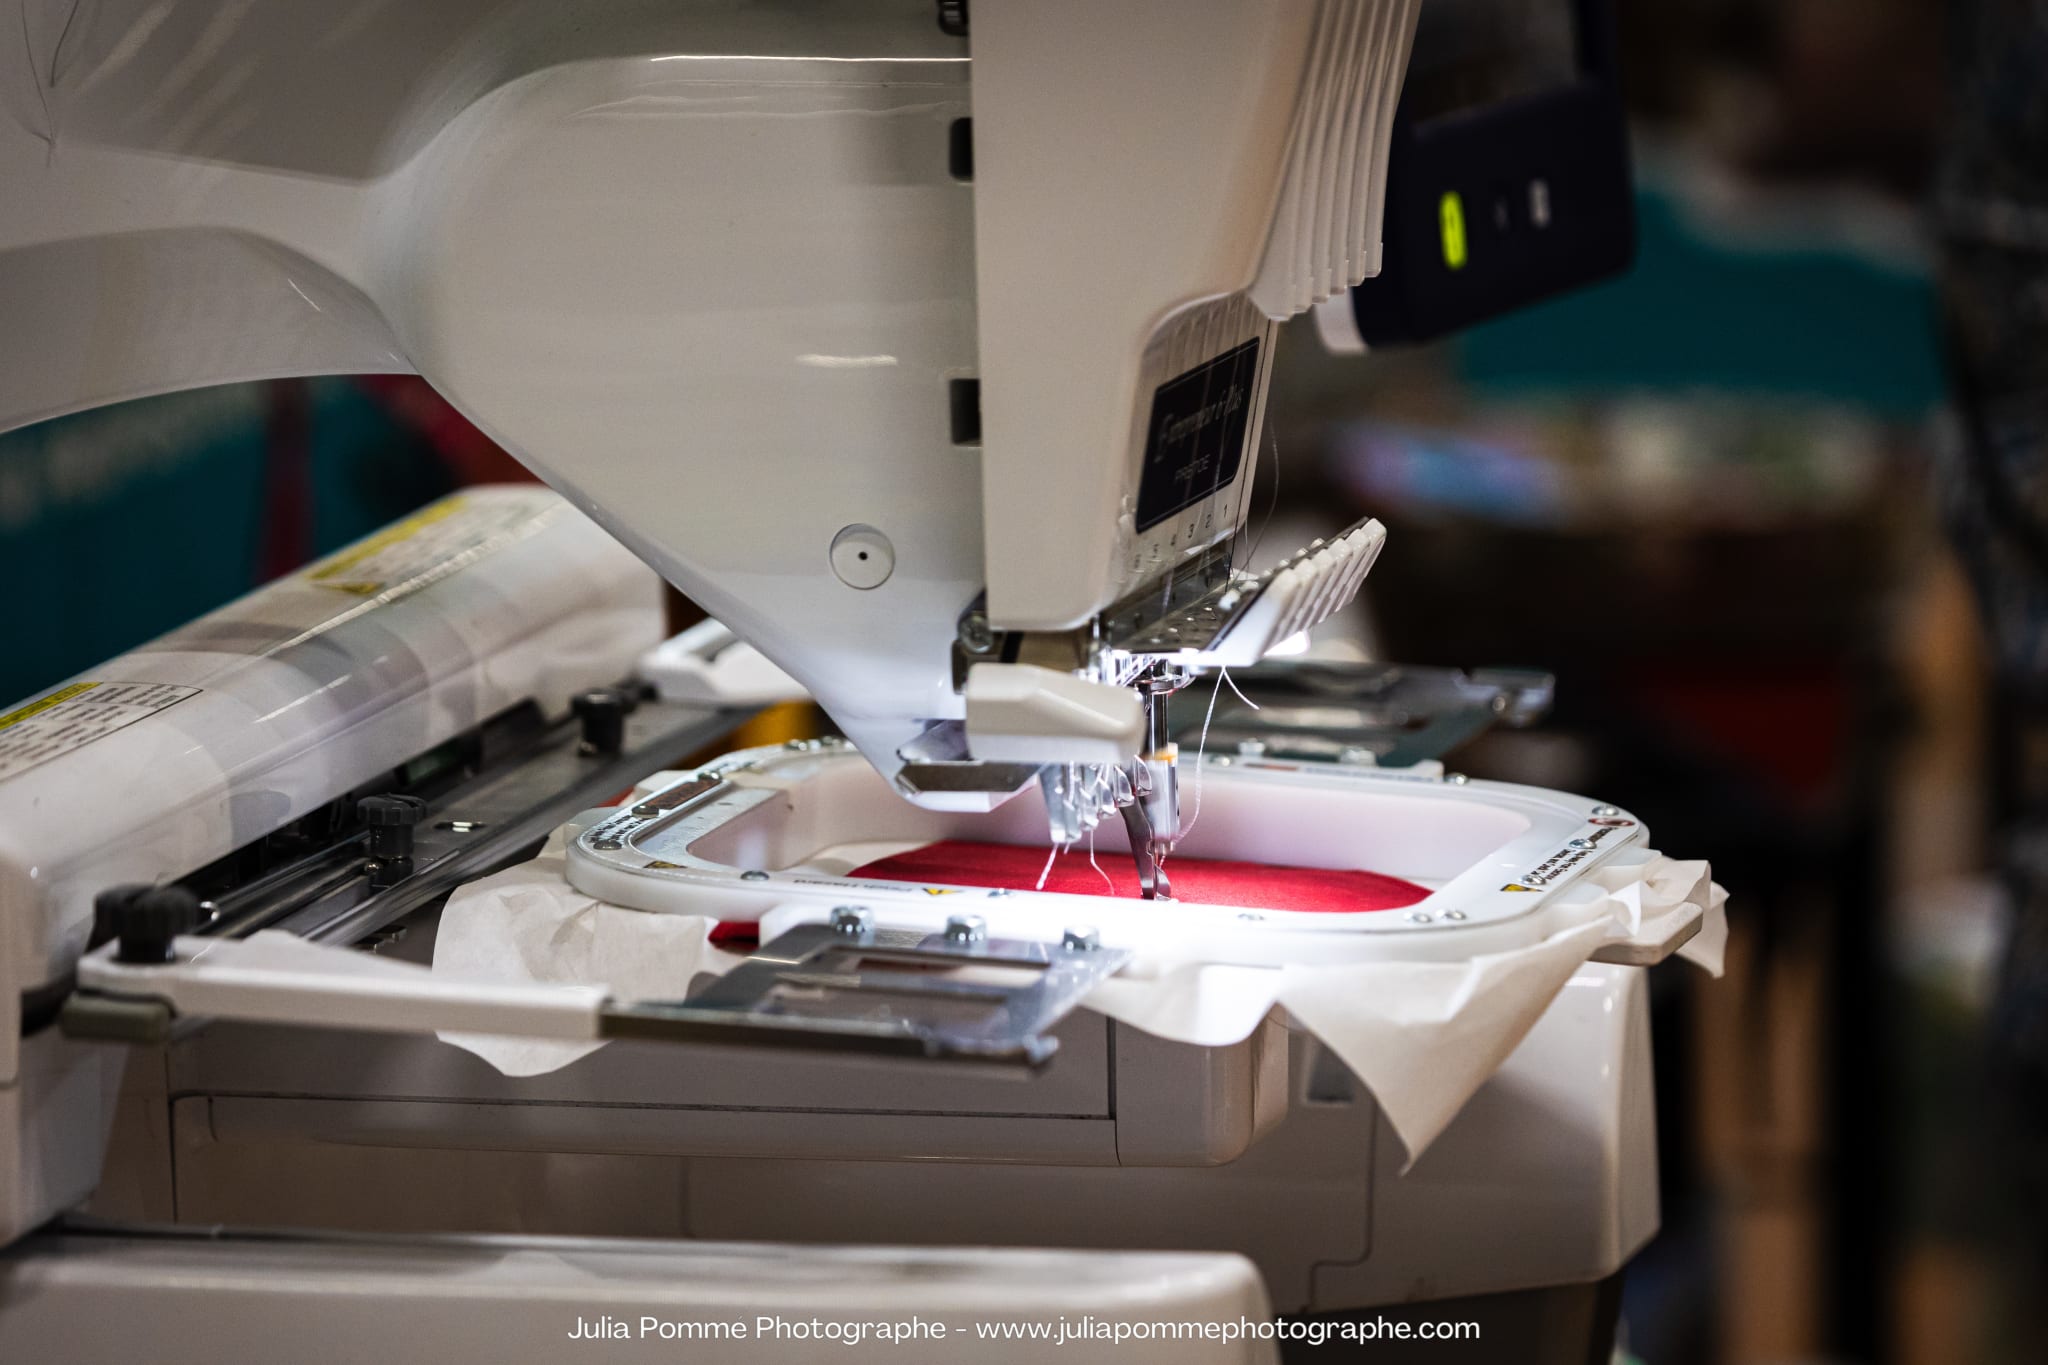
(1167, 120)
(1020, 713)
(86, 1301)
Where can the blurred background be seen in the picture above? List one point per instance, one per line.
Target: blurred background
(1708, 497)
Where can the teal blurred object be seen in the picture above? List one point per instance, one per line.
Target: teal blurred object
(120, 523)
(1763, 304)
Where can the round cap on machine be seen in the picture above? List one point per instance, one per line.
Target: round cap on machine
(862, 556)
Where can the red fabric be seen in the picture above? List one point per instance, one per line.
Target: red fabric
(1257, 886)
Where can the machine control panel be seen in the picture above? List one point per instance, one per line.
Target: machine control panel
(1508, 179)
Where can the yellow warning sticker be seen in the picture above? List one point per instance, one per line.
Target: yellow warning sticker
(74, 716)
(942, 890)
(336, 572)
(36, 708)
(434, 541)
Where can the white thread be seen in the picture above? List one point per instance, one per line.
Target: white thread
(1098, 866)
(1240, 696)
(1202, 748)
(1050, 854)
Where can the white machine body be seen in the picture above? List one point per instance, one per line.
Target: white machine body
(319, 1073)
(1267, 1149)
(713, 271)
(935, 368)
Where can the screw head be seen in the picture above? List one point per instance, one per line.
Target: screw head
(1418, 917)
(1580, 843)
(966, 929)
(852, 920)
(1456, 779)
(975, 635)
(1220, 760)
(1080, 939)
(1604, 811)
(1454, 915)
(1355, 755)
(753, 875)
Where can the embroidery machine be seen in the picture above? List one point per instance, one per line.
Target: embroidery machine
(930, 355)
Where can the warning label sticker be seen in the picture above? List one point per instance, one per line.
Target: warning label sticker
(75, 716)
(432, 542)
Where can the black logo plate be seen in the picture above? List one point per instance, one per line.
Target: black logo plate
(1195, 442)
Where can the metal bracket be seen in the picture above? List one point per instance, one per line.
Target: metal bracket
(1207, 606)
(1392, 715)
(841, 986)
(957, 994)
(938, 761)
(1185, 608)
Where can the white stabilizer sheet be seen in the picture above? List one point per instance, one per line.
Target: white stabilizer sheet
(1423, 1037)
(527, 924)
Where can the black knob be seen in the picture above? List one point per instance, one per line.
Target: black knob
(106, 911)
(390, 819)
(602, 712)
(390, 811)
(147, 922)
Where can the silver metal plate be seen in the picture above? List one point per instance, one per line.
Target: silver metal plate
(887, 991)
(1394, 715)
(1197, 603)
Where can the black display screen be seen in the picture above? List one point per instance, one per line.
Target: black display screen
(1473, 53)
(1194, 444)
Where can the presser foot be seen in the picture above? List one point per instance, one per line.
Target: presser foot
(1158, 889)
(1147, 853)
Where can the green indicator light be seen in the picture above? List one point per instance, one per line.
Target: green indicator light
(1450, 212)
